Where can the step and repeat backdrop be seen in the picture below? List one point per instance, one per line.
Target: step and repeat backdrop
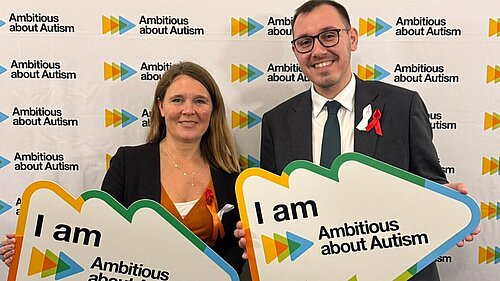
(77, 80)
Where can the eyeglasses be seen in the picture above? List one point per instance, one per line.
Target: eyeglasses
(327, 38)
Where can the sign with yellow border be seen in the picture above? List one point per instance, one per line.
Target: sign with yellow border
(95, 238)
(360, 220)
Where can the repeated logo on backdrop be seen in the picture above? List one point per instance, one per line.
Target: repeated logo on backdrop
(491, 121)
(494, 27)
(33, 22)
(113, 25)
(243, 119)
(371, 27)
(117, 118)
(492, 74)
(490, 210)
(490, 166)
(488, 255)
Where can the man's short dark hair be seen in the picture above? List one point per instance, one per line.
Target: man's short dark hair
(310, 5)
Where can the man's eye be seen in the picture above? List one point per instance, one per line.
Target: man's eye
(304, 42)
(329, 36)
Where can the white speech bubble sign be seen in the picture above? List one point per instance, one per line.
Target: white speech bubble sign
(93, 238)
(360, 220)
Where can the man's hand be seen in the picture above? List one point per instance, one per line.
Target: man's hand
(462, 188)
(7, 248)
(239, 233)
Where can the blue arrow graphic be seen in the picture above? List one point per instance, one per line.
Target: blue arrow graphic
(3, 162)
(253, 162)
(2, 69)
(73, 267)
(3, 117)
(382, 27)
(255, 119)
(126, 71)
(125, 25)
(304, 245)
(1, 23)
(380, 73)
(253, 26)
(253, 73)
(4, 207)
(128, 118)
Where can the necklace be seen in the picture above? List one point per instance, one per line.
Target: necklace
(189, 176)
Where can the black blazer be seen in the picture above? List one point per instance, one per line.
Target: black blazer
(406, 142)
(134, 174)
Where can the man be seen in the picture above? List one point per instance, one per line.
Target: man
(323, 43)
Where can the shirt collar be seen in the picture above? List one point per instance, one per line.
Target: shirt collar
(345, 97)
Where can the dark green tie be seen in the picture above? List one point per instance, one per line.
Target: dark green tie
(330, 147)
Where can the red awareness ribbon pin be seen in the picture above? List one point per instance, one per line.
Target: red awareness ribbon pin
(375, 122)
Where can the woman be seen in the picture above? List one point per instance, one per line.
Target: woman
(189, 163)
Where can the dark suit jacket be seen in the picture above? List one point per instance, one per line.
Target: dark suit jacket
(134, 174)
(406, 142)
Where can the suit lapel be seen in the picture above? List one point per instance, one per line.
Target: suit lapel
(365, 142)
(300, 126)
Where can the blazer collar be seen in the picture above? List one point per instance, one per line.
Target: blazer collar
(300, 126)
(365, 142)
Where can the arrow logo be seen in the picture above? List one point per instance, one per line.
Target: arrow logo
(4, 207)
(492, 74)
(2, 23)
(490, 121)
(370, 27)
(243, 119)
(3, 162)
(281, 247)
(489, 255)
(116, 71)
(494, 27)
(113, 25)
(2, 69)
(490, 210)
(116, 118)
(3, 117)
(243, 73)
(49, 264)
(490, 166)
(242, 26)
(372, 73)
(249, 162)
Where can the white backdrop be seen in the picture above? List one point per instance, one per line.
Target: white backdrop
(53, 119)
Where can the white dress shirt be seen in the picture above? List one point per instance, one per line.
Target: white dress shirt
(345, 116)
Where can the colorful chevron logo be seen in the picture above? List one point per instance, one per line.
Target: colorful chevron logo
(491, 121)
(490, 166)
(3, 162)
(488, 255)
(249, 162)
(118, 71)
(492, 74)
(494, 27)
(4, 207)
(242, 26)
(3, 117)
(370, 27)
(113, 25)
(2, 69)
(281, 247)
(243, 73)
(372, 72)
(2, 23)
(49, 264)
(243, 119)
(116, 118)
(490, 210)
